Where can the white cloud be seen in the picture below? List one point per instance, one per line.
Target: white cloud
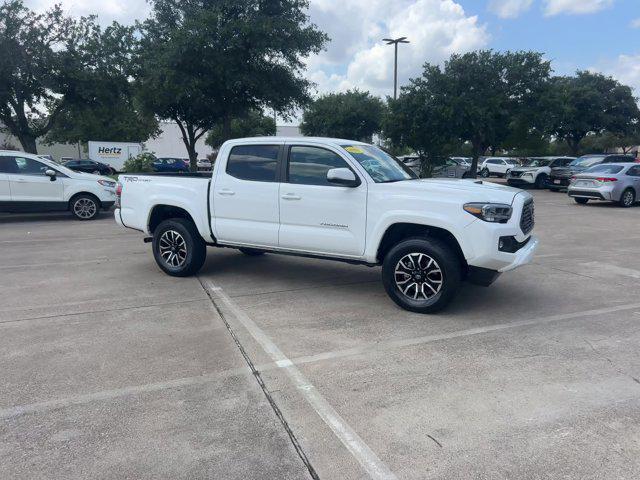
(626, 69)
(635, 23)
(357, 57)
(555, 7)
(509, 8)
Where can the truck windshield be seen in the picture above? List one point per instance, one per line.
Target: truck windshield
(381, 166)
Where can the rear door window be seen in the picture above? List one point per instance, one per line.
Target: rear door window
(257, 163)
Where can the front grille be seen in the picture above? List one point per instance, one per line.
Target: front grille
(516, 174)
(527, 219)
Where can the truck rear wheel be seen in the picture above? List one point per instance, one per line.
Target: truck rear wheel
(421, 275)
(178, 248)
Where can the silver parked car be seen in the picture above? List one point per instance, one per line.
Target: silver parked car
(613, 182)
(453, 167)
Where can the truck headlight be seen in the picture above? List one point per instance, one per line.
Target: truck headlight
(489, 212)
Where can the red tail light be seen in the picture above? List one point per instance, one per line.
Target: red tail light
(118, 194)
(606, 179)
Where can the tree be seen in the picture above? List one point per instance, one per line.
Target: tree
(353, 115)
(102, 106)
(33, 53)
(477, 97)
(204, 62)
(590, 103)
(254, 124)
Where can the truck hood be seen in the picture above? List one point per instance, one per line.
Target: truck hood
(468, 190)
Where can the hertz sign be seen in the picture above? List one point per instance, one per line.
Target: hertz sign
(109, 151)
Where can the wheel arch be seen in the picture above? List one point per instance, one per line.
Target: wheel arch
(399, 231)
(161, 212)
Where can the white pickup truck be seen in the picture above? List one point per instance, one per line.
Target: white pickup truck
(339, 200)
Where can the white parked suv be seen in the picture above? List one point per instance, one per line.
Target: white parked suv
(497, 166)
(339, 200)
(29, 183)
(535, 171)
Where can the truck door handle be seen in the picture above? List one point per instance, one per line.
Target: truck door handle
(226, 191)
(291, 196)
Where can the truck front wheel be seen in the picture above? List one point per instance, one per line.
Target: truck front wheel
(178, 248)
(421, 275)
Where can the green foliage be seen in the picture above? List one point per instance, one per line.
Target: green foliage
(254, 124)
(477, 98)
(203, 63)
(34, 50)
(591, 103)
(53, 69)
(352, 115)
(102, 105)
(140, 164)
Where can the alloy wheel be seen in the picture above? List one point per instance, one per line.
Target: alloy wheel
(173, 248)
(85, 208)
(627, 198)
(418, 276)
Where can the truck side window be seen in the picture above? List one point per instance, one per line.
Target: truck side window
(253, 162)
(309, 165)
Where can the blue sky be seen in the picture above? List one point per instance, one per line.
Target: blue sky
(575, 34)
(572, 40)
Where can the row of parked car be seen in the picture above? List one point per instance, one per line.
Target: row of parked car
(609, 177)
(161, 164)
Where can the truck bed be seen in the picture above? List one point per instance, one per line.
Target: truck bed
(142, 193)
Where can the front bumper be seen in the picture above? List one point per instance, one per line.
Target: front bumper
(519, 181)
(485, 252)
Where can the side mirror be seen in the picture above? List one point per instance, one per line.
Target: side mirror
(51, 174)
(343, 177)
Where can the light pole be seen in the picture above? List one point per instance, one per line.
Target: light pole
(395, 42)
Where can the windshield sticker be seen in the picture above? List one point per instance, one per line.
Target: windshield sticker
(354, 150)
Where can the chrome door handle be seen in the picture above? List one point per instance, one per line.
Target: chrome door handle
(226, 191)
(291, 196)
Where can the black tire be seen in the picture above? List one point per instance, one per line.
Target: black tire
(85, 206)
(173, 236)
(252, 252)
(628, 198)
(541, 181)
(443, 256)
(581, 201)
(485, 173)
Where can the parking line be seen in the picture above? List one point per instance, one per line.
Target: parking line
(613, 269)
(349, 438)
(393, 344)
(83, 399)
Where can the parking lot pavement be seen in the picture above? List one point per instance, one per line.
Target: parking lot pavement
(112, 369)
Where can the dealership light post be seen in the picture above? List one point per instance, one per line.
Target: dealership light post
(395, 42)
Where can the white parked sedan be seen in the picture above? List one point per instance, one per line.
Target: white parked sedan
(498, 166)
(29, 183)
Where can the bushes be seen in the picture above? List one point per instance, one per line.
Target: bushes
(140, 164)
